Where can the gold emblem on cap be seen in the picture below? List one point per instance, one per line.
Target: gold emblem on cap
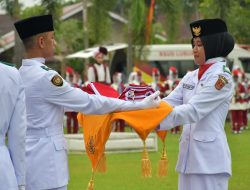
(196, 30)
(57, 80)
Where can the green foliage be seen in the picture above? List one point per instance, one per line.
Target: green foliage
(69, 37)
(12, 7)
(137, 18)
(53, 7)
(239, 22)
(215, 8)
(77, 64)
(158, 29)
(189, 9)
(236, 13)
(33, 11)
(99, 23)
(171, 9)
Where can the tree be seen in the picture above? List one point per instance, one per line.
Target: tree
(53, 7)
(99, 23)
(171, 9)
(235, 13)
(69, 36)
(33, 11)
(216, 8)
(239, 23)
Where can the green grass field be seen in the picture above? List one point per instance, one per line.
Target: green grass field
(123, 170)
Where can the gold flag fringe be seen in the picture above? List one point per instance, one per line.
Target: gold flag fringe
(145, 163)
(91, 182)
(102, 166)
(163, 163)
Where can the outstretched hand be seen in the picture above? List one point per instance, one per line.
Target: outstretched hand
(151, 101)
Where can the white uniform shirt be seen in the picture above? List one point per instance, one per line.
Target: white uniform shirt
(100, 69)
(46, 149)
(202, 109)
(13, 122)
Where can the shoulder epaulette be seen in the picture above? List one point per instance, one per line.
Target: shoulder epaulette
(9, 64)
(226, 69)
(46, 68)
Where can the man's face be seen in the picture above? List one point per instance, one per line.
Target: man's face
(198, 51)
(49, 44)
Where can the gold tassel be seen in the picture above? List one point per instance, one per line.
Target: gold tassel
(145, 163)
(163, 163)
(91, 182)
(102, 166)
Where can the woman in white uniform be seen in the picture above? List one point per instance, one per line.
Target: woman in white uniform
(201, 102)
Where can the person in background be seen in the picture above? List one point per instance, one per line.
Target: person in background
(78, 80)
(119, 125)
(47, 97)
(13, 125)
(99, 71)
(201, 102)
(140, 79)
(245, 96)
(156, 83)
(236, 103)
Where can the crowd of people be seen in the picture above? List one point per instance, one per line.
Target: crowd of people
(240, 102)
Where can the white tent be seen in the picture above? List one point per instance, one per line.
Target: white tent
(87, 53)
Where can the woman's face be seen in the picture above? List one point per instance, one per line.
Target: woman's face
(198, 51)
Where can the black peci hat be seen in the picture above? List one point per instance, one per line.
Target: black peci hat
(207, 27)
(34, 25)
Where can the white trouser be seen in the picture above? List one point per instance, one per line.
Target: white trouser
(203, 181)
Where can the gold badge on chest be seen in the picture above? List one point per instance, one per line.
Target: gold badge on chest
(57, 80)
(221, 82)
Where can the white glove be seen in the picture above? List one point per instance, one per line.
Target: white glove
(151, 101)
(21, 187)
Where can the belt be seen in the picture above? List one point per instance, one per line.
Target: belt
(43, 132)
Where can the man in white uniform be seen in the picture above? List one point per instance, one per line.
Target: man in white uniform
(13, 123)
(47, 96)
(201, 102)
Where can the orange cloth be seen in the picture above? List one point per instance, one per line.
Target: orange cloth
(97, 128)
(162, 135)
